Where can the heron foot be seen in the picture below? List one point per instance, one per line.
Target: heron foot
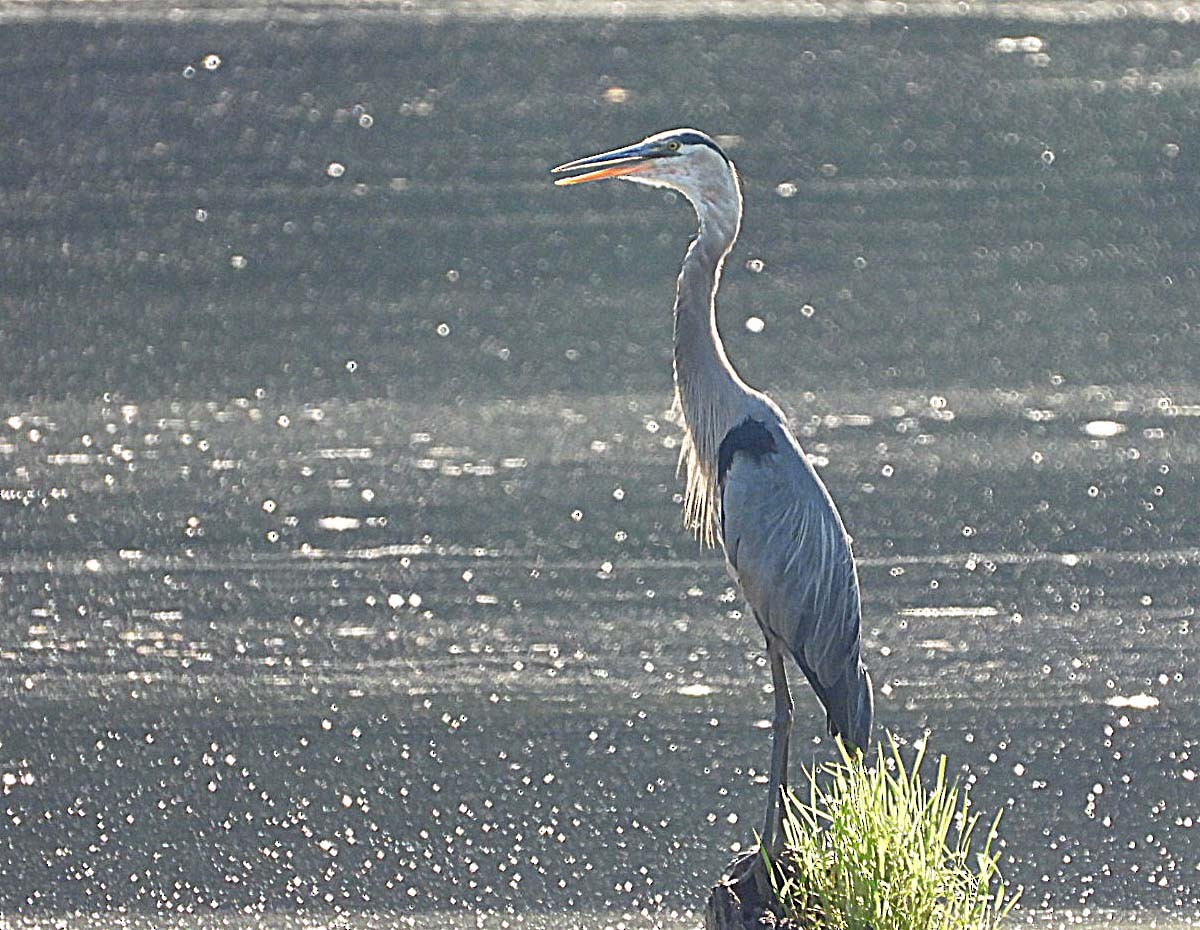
(749, 872)
(750, 869)
(741, 867)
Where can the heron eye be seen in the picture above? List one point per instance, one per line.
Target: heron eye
(673, 145)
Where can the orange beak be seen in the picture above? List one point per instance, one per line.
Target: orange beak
(614, 172)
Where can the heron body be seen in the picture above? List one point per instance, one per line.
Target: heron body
(749, 484)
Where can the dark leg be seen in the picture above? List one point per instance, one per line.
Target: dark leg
(772, 832)
(771, 838)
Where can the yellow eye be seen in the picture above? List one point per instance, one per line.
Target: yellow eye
(673, 145)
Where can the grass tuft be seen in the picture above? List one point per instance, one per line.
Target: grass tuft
(878, 849)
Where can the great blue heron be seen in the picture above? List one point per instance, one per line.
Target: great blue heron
(749, 483)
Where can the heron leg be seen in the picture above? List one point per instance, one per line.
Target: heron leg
(772, 832)
(750, 866)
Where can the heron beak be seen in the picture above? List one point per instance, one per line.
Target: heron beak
(614, 164)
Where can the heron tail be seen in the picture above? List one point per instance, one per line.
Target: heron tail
(849, 704)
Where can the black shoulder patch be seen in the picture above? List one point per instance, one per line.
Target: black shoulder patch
(749, 436)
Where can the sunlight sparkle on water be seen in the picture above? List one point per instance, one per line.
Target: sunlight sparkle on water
(339, 524)
(1133, 701)
(1103, 429)
(985, 611)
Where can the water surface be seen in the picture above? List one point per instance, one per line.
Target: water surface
(341, 571)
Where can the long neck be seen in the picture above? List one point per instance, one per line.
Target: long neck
(709, 393)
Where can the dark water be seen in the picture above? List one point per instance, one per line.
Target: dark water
(341, 571)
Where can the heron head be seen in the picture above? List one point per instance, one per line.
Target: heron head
(685, 160)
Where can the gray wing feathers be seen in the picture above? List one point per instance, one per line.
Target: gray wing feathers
(790, 554)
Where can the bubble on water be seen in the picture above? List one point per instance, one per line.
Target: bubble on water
(238, 262)
(189, 72)
(335, 169)
(201, 215)
(366, 120)
(212, 62)
(443, 329)
(786, 189)
(755, 324)
(452, 275)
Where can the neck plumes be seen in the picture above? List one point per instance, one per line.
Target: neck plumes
(708, 392)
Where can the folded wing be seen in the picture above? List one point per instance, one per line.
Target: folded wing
(790, 554)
